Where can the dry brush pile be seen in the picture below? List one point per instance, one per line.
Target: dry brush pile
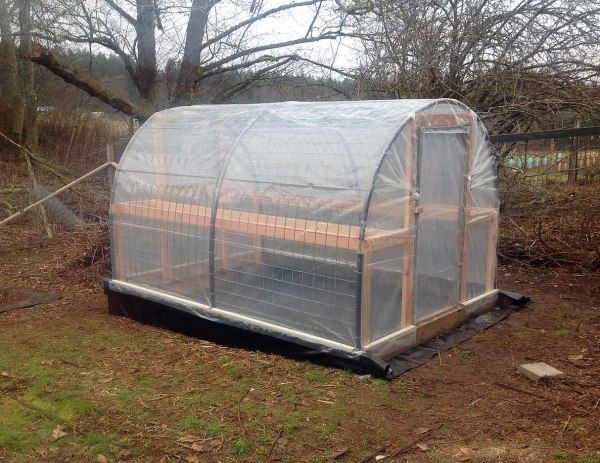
(551, 224)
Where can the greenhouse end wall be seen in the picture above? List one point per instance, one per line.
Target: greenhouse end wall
(342, 223)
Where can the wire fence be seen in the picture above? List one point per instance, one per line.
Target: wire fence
(568, 159)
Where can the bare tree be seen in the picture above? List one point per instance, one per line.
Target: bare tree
(10, 68)
(27, 76)
(206, 38)
(512, 61)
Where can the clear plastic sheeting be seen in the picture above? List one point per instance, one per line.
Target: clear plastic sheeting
(341, 221)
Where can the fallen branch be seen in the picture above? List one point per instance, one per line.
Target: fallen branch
(85, 82)
(272, 447)
(60, 172)
(522, 391)
(60, 190)
(408, 446)
(374, 454)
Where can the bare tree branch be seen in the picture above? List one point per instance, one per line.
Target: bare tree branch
(85, 82)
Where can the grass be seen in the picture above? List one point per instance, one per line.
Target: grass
(223, 359)
(15, 439)
(437, 458)
(98, 443)
(236, 371)
(243, 447)
(567, 457)
(126, 396)
(316, 376)
(254, 409)
(206, 428)
(327, 429)
(466, 355)
(292, 425)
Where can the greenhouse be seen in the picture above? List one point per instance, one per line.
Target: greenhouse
(358, 228)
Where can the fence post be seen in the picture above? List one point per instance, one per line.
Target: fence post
(574, 158)
(110, 157)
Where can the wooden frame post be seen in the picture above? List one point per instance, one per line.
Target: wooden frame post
(468, 201)
(159, 151)
(409, 222)
(492, 253)
(365, 303)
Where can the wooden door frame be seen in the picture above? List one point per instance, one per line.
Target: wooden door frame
(422, 130)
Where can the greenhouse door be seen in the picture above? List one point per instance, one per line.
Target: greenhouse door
(442, 159)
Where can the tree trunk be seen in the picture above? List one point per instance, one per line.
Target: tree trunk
(10, 63)
(194, 38)
(85, 82)
(28, 84)
(147, 72)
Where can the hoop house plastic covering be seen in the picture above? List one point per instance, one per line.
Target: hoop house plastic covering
(340, 221)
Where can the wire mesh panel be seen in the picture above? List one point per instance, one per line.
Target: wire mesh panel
(161, 203)
(302, 173)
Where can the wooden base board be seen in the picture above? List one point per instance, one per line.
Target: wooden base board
(413, 335)
(391, 344)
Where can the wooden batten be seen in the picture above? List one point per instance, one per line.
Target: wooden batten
(390, 239)
(443, 119)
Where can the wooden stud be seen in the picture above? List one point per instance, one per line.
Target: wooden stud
(409, 224)
(224, 250)
(258, 240)
(159, 152)
(110, 157)
(464, 274)
(365, 305)
(492, 254)
(120, 263)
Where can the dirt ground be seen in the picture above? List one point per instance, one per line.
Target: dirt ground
(79, 385)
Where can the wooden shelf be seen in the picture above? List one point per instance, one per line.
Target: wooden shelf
(262, 225)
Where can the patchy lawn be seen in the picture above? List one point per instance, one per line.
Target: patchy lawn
(79, 385)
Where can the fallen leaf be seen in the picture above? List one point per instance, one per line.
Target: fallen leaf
(339, 453)
(58, 432)
(192, 460)
(101, 459)
(421, 430)
(197, 447)
(5, 374)
(379, 457)
(464, 450)
(423, 447)
(47, 362)
(188, 439)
